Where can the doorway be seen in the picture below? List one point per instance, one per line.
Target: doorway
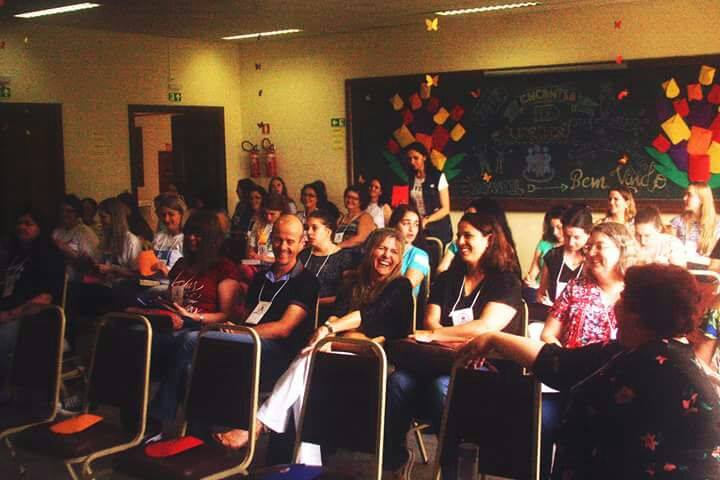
(174, 148)
(32, 163)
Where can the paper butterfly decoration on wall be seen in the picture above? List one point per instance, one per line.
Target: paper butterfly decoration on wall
(431, 25)
(432, 80)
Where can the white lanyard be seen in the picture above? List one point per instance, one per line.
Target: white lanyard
(276, 293)
(559, 290)
(317, 274)
(462, 289)
(347, 225)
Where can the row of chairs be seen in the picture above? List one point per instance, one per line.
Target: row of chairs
(118, 387)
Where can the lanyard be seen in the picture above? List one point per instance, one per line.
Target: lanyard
(327, 257)
(557, 280)
(347, 225)
(462, 289)
(276, 293)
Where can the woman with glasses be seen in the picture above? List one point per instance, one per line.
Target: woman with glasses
(355, 226)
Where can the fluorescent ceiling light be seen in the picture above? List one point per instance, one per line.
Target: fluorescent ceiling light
(488, 8)
(262, 34)
(54, 11)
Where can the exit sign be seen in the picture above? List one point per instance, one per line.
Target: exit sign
(4, 91)
(337, 122)
(175, 96)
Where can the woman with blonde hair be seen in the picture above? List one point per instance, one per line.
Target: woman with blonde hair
(697, 227)
(621, 206)
(120, 247)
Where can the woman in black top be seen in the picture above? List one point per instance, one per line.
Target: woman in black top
(377, 302)
(641, 406)
(480, 292)
(429, 193)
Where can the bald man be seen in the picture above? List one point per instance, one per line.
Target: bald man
(281, 301)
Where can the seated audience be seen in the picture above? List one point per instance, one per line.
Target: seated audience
(89, 215)
(552, 237)
(639, 407)
(323, 258)
(354, 226)
(378, 209)
(697, 228)
(239, 222)
(34, 274)
(584, 311)
(277, 186)
(480, 292)
(654, 245)
(621, 207)
(136, 223)
(243, 225)
(259, 246)
(373, 304)
(76, 241)
(415, 262)
(168, 241)
(120, 247)
(563, 263)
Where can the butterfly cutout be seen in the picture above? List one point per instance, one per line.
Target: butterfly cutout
(618, 24)
(260, 92)
(486, 177)
(261, 125)
(619, 59)
(431, 25)
(432, 80)
(623, 160)
(258, 66)
(475, 93)
(622, 94)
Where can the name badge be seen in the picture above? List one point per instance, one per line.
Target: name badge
(339, 237)
(262, 250)
(258, 312)
(462, 316)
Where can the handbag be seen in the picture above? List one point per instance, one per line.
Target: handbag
(423, 358)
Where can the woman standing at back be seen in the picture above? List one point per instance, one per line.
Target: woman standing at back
(697, 227)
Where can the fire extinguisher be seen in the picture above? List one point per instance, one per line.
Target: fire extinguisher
(254, 155)
(270, 157)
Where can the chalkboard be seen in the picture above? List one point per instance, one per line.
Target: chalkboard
(563, 133)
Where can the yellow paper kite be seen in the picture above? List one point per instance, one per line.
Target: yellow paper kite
(671, 88)
(676, 129)
(714, 154)
(397, 102)
(441, 116)
(457, 132)
(707, 75)
(403, 136)
(438, 159)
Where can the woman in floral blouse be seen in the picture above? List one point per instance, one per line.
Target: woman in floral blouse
(641, 407)
(583, 314)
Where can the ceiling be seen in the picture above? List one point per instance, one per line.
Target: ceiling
(213, 19)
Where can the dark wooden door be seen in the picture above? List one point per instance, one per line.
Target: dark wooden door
(32, 170)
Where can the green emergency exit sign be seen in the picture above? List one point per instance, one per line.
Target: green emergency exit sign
(4, 91)
(337, 122)
(175, 96)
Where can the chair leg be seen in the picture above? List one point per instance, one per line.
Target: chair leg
(420, 443)
(71, 470)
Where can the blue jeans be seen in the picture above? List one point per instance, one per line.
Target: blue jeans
(274, 360)
(410, 396)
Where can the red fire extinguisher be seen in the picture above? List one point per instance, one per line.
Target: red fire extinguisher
(254, 155)
(270, 158)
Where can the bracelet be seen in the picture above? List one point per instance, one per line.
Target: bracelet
(329, 326)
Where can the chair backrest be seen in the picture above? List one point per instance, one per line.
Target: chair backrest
(435, 250)
(317, 313)
(524, 318)
(119, 373)
(500, 413)
(355, 381)
(37, 360)
(709, 284)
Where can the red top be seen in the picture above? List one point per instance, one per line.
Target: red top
(201, 293)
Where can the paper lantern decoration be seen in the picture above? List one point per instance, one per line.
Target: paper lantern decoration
(699, 141)
(440, 137)
(424, 91)
(661, 143)
(400, 195)
(714, 95)
(425, 139)
(675, 128)
(707, 75)
(441, 116)
(457, 113)
(457, 132)
(433, 105)
(407, 117)
(397, 102)
(694, 92)
(438, 159)
(671, 88)
(714, 154)
(415, 101)
(679, 155)
(393, 146)
(681, 107)
(403, 136)
(699, 168)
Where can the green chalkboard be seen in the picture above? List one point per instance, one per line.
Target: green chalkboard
(562, 133)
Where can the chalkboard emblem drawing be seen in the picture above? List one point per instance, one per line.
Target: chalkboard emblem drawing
(538, 169)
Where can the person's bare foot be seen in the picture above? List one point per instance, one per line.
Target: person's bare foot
(236, 439)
